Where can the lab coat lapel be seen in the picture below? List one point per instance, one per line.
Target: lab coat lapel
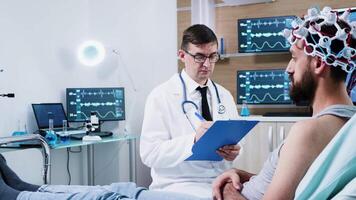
(177, 96)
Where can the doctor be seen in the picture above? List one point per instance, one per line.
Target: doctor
(179, 111)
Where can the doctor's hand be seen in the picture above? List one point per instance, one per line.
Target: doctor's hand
(229, 177)
(204, 126)
(229, 152)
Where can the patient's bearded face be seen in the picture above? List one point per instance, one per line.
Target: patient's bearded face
(304, 89)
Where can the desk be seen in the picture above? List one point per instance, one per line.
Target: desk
(131, 139)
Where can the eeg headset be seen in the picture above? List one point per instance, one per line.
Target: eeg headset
(335, 50)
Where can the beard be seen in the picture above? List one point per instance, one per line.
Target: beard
(304, 90)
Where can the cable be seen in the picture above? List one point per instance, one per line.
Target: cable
(69, 176)
(79, 151)
(68, 170)
(116, 52)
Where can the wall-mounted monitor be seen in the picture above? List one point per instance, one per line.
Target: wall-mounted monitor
(107, 103)
(263, 34)
(261, 87)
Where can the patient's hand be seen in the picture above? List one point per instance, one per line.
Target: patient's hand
(231, 193)
(229, 176)
(229, 152)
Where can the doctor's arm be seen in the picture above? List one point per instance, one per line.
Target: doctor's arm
(157, 146)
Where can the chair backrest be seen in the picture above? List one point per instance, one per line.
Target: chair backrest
(334, 168)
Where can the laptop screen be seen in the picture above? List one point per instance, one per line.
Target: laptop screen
(44, 111)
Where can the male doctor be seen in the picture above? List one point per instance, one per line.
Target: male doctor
(179, 111)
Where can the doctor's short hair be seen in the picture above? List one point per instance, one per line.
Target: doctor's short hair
(198, 34)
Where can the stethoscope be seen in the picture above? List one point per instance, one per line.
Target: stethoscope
(221, 108)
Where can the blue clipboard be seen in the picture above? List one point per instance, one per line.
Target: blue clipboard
(221, 133)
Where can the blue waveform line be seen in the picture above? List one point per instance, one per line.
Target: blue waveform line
(94, 104)
(103, 117)
(259, 23)
(100, 93)
(258, 35)
(97, 104)
(266, 86)
(98, 113)
(270, 46)
(262, 75)
(265, 96)
(114, 92)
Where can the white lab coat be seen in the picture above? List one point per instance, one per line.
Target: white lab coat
(167, 137)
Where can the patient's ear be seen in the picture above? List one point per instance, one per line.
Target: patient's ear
(318, 65)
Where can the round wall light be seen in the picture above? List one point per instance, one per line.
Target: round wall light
(91, 53)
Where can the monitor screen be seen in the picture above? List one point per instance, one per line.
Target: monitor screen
(263, 34)
(270, 86)
(107, 103)
(45, 111)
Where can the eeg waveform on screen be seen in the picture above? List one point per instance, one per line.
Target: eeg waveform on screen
(107, 103)
(263, 34)
(263, 87)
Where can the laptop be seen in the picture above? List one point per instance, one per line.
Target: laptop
(44, 111)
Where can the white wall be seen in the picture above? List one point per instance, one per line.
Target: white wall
(38, 42)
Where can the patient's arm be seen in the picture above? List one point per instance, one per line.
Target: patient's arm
(244, 175)
(302, 146)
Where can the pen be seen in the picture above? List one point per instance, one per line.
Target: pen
(199, 117)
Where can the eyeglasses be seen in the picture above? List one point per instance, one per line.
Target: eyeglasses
(200, 58)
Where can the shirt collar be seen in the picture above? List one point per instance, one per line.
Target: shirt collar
(191, 84)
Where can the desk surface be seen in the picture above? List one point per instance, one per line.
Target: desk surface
(76, 143)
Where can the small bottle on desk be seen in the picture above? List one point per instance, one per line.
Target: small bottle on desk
(19, 130)
(244, 109)
(51, 136)
(65, 135)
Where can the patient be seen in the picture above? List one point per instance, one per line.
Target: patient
(12, 187)
(317, 72)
